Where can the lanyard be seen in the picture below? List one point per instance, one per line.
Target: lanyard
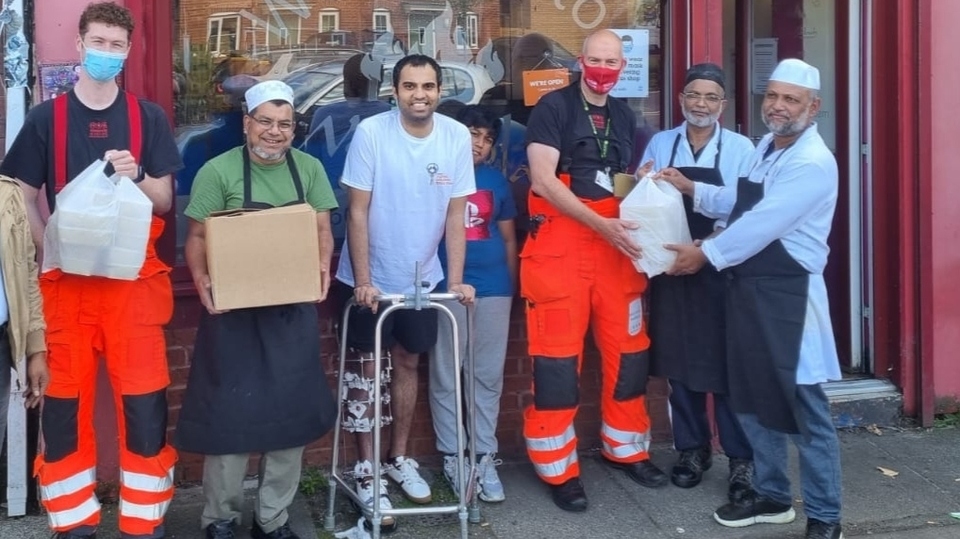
(602, 146)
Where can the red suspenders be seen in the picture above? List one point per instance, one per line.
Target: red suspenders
(60, 135)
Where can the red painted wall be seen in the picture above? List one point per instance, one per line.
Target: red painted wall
(940, 257)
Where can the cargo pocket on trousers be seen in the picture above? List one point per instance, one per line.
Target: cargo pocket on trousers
(151, 300)
(542, 275)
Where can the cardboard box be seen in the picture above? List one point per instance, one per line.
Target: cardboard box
(623, 184)
(265, 257)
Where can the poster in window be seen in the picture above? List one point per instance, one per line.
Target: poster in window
(635, 77)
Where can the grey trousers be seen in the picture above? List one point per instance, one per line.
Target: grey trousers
(279, 478)
(491, 328)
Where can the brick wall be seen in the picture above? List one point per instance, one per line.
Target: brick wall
(516, 392)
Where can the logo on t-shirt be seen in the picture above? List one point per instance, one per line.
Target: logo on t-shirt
(99, 129)
(432, 169)
(479, 214)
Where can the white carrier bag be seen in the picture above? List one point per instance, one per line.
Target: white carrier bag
(658, 207)
(100, 226)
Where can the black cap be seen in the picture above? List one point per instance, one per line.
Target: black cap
(711, 72)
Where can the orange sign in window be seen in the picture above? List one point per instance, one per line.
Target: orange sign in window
(539, 82)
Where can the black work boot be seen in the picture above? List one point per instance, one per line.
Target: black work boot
(688, 472)
(740, 480)
(570, 495)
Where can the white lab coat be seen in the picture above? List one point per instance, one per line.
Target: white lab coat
(713, 201)
(800, 195)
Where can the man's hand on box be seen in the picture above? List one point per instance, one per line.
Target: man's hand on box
(366, 296)
(690, 259)
(123, 163)
(617, 233)
(204, 289)
(467, 292)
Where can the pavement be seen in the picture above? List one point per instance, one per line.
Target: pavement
(915, 503)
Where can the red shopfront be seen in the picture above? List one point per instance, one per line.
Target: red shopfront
(896, 321)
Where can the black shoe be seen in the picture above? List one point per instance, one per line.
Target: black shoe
(690, 467)
(741, 479)
(754, 509)
(643, 472)
(283, 532)
(821, 530)
(570, 496)
(73, 535)
(221, 529)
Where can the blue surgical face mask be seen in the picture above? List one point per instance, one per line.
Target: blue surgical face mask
(103, 66)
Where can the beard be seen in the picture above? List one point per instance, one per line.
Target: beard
(697, 121)
(265, 155)
(788, 128)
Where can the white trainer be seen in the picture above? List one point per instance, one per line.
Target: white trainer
(450, 473)
(363, 472)
(491, 489)
(404, 472)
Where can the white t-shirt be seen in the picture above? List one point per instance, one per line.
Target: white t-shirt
(411, 181)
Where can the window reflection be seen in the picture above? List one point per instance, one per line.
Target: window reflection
(484, 47)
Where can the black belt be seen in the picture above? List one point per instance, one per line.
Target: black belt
(3, 331)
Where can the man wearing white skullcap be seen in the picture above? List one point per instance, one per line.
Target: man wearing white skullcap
(255, 384)
(779, 337)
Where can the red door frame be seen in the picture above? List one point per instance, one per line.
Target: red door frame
(149, 73)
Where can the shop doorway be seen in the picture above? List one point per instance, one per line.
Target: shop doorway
(756, 35)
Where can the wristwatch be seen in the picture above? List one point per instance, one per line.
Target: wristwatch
(140, 175)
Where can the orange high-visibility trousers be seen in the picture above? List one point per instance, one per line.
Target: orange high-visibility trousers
(572, 279)
(89, 317)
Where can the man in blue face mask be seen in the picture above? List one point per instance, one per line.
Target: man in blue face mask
(88, 317)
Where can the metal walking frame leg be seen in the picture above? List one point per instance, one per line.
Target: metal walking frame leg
(468, 491)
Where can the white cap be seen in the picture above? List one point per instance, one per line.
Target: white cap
(798, 72)
(270, 90)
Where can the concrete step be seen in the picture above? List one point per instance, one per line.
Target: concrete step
(864, 402)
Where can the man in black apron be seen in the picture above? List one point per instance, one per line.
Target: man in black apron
(686, 323)
(256, 384)
(780, 344)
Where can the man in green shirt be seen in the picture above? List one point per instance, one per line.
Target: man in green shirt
(256, 380)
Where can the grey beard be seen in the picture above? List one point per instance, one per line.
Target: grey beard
(698, 122)
(790, 128)
(265, 155)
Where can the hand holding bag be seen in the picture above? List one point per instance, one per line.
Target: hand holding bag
(658, 208)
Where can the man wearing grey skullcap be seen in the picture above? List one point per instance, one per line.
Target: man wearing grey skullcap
(687, 341)
(779, 337)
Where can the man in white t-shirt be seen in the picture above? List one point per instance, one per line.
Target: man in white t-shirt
(408, 173)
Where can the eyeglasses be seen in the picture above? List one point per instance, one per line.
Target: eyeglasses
(693, 97)
(283, 125)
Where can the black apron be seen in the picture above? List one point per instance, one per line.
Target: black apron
(766, 299)
(687, 336)
(256, 380)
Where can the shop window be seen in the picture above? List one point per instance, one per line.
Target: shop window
(305, 43)
(223, 33)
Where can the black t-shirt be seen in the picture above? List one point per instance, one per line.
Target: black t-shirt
(91, 134)
(560, 121)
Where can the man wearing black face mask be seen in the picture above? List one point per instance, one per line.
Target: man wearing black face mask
(576, 270)
(89, 316)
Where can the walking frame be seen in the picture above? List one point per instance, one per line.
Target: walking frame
(467, 507)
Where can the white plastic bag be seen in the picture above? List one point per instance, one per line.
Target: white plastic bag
(100, 226)
(658, 208)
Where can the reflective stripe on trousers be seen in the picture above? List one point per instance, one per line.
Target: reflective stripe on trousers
(147, 483)
(552, 443)
(556, 468)
(70, 485)
(149, 512)
(70, 518)
(622, 444)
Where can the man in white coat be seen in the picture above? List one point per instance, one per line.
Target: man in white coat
(779, 338)
(687, 338)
